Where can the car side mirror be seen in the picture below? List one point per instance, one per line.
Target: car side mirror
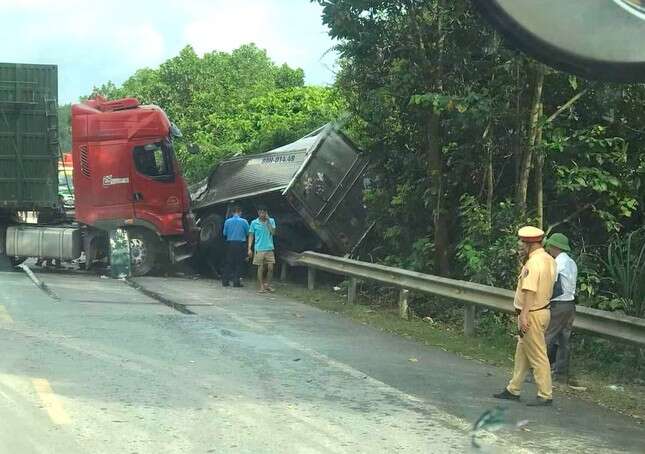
(193, 148)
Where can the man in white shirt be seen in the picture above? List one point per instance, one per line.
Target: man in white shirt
(563, 306)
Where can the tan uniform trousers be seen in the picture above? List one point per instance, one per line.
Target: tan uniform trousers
(531, 353)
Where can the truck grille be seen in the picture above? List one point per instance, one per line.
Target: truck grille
(85, 162)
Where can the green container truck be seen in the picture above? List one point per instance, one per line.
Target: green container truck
(28, 138)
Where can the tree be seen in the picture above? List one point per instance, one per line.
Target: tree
(459, 124)
(229, 103)
(407, 59)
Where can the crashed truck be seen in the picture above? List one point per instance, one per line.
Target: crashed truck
(313, 187)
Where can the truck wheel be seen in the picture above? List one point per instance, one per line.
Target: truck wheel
(144, 250)
(209, 251)
(211, 229)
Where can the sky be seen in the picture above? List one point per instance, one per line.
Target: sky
(96, 41)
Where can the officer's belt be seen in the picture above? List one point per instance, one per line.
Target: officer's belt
(519, 311)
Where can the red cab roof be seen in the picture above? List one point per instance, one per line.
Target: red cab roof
(99, 119)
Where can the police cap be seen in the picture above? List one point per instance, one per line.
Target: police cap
(530, 234)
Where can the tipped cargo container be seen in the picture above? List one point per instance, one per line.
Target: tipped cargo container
(313, 187)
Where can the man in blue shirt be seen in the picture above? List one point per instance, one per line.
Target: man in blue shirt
(236, 230)
(261, 233)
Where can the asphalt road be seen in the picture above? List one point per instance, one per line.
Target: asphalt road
(99, 366)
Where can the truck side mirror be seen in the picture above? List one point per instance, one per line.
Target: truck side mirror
(193, 148)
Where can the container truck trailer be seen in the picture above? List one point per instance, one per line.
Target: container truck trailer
(125, 176)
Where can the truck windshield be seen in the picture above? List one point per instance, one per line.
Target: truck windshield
(155, 160)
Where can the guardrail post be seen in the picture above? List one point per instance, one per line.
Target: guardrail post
(351, 291)
(283, 271)
(404, 311)
(311, 278)
(469, 319)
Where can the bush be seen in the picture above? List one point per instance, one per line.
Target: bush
(488, 250)
(625, 265)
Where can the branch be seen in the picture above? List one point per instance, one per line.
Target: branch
(568, 218)
(566, 105)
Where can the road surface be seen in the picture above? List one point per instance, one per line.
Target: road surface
(185, 366)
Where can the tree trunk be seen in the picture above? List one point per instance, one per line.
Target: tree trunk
(490, 187)
(490, 177)
(527, 155)
(539, 175)
(517, 133)
(439, 215)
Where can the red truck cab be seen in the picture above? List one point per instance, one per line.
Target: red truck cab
(126, 174)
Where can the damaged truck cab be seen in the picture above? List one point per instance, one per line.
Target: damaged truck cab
(128, 176)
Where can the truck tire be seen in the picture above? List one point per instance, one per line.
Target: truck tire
(211, 229)
(209, 252)
(145, 249)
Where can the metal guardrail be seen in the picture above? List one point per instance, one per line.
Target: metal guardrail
(603, 323)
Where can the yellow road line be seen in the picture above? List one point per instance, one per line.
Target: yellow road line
(4, 315)
(51, 402)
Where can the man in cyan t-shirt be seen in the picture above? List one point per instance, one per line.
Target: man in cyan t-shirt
(261, 235)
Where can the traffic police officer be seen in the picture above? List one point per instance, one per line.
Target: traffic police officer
(532, 299)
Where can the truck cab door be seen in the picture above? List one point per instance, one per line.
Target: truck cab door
(156, 189)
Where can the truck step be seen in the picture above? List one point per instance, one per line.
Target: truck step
(181, 258)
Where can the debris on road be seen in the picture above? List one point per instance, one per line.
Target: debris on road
(578, 388)
(490, 421)
(616, 388)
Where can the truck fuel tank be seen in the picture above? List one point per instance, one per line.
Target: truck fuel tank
(63, 243)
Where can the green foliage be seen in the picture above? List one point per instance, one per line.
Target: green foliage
(405, 65)
(65, 127)
(600, 173)
(590, 267)
(488, 250)
(626, 267)
(230, 103)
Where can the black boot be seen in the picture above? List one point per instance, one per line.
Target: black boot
(540, 402)
(506, 395)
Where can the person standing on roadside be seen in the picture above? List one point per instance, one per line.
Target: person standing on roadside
(236, 230)
(563, 307)
(532, 299)
(261, 236)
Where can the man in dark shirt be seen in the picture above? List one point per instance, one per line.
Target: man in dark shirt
(236, 230)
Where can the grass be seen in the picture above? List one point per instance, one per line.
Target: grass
(493, 344)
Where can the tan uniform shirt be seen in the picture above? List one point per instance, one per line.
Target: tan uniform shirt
(538, 276)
